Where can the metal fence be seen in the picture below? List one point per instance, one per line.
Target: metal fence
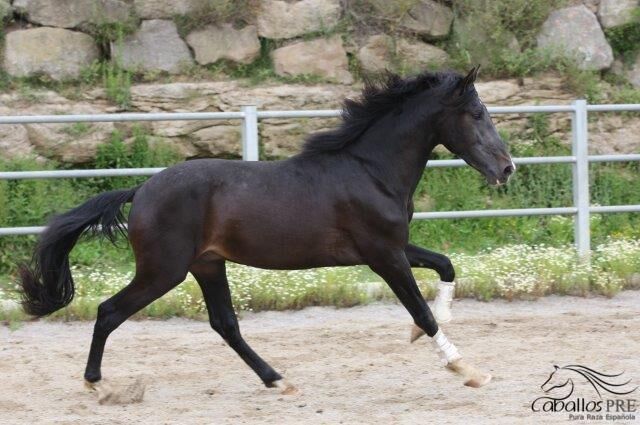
(250, 116)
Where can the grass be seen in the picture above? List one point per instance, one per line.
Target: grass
(117, 84)
(515, 271)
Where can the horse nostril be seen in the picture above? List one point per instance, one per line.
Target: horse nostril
(508, 170)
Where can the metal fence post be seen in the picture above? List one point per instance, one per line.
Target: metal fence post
(250, 148)
(581, 193)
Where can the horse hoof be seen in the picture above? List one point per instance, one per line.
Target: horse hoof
(416, 332)
(479, 381)
(472, 377)
(130, 394)
(285, 387)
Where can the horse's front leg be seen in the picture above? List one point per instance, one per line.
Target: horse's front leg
(441, 307)
(395, 269)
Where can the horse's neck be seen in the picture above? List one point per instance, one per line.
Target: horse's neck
(396, 160)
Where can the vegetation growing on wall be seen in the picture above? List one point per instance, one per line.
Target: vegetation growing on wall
(499, 34)
(625, 39)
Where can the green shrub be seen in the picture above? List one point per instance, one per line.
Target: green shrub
(105, 33)
(584, 84)
(135, 153)
(117, 84)
(625, 39)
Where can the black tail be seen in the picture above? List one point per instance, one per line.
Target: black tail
(47, 284)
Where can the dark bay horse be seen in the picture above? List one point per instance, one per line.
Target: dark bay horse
(345, 200)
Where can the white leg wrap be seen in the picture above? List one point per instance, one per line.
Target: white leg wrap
(441, 307)
(446, 350)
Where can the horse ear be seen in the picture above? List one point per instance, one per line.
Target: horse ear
(468, 81)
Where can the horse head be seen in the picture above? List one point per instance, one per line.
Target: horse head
(557, 379)
(466, 129)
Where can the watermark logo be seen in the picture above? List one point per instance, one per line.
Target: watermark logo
(610, 396)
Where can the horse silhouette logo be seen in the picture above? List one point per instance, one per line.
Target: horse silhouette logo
(562, 378)
(561, 385)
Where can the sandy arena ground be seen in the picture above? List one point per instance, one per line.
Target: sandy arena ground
(352, 365)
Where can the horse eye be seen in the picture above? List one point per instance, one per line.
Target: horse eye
(477, 115)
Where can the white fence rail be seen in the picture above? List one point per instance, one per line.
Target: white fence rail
(250, 117)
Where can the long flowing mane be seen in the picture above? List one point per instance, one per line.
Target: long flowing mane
(378, 97)
(601, 381)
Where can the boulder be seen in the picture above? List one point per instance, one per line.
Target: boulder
(156, 46)
(58, 53)
(614, 134)
(213, 43)
(57, 141)
(73, 13)
(218, 140)
(166, 9)
(613, 13)
(14, 141)
(68, 143)
(277, 19)
(381, 52)
(575, 32)
(592, 5)
(325, 58)
(428, 18)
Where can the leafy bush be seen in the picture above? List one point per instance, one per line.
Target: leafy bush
(134, 153)
(625, 39)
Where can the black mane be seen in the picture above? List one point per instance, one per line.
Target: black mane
(378, 98)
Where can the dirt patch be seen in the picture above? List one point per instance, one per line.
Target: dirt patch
(352, 365)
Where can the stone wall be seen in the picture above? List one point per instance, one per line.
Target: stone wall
(279, 138)
(54, 37)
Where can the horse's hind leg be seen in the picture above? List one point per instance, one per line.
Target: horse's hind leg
(212, 278)
(143, 289)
